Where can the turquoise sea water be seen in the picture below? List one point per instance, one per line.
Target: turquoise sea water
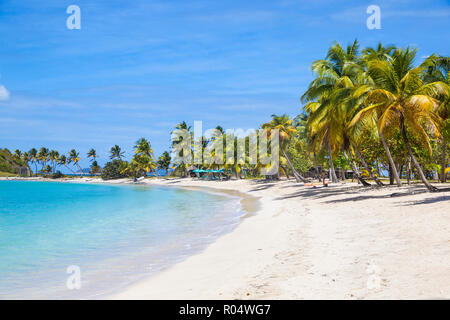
(115, 234)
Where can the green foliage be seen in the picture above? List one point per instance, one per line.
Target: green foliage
(10, 163)
(113, 170)
(57, 175)
(164, 161)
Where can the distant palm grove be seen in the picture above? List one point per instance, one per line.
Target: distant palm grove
(376, 115)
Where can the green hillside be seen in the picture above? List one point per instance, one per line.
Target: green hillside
(9, 163)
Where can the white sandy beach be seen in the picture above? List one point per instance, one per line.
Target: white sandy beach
(317, 243)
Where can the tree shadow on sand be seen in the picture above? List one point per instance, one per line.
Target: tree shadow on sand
(356, 193)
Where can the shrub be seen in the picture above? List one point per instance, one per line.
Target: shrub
(57, 175)
(112, 170)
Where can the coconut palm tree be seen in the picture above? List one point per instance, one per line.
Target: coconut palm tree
(53, 157)
(92, 154)
(340, 66)
(379, 53)
(34, 158)
(116, 153)
(164, 161)
(179, 141)
(43, 157)
(437, 68)
(286, 131)
(405, 101)
(18, 153)
(143, 147)
(74, 157)
(95, 168)
(62, 161)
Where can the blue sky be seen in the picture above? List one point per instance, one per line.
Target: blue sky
(136, 68)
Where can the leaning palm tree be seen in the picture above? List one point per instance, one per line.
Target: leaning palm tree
(116, 153)
(92, 154)
(62, 161)
(287, 131)
(74, 157)
(405, 101)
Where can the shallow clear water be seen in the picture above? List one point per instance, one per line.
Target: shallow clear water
(114, 234)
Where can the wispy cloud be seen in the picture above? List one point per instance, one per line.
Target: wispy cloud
(4, 93)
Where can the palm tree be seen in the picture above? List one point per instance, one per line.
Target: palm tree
(164, 161)
(53, 157)
(92, 154)
(62, 161)
(144, 156)
(34, 158)
(379, 53)
(286, 130)
(339, 67)
(438, 69)
(18, 153)
(184, 144)
(74, 157)
(26, 158)
(143, 147)
(405, 101)
(116, 153)
(95, 168)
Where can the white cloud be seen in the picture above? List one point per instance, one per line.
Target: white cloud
(4, 93)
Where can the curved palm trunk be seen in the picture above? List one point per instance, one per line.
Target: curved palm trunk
(69, 168)
(391, 161)
(416, 164)
(79, 168)
(444, 160)
(298, 177)
(374, 177)
(285, 171)
(333, 172)
(355, 170)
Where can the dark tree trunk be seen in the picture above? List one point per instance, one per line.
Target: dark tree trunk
(298, 177)
(285, 171)
(391, 175)
(416, 164)
(391, 161)
(369, 170)
(355, 170)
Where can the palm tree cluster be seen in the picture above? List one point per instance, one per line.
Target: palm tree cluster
(359, 99)
(143, 160)
(49, 160)
(366, 111)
